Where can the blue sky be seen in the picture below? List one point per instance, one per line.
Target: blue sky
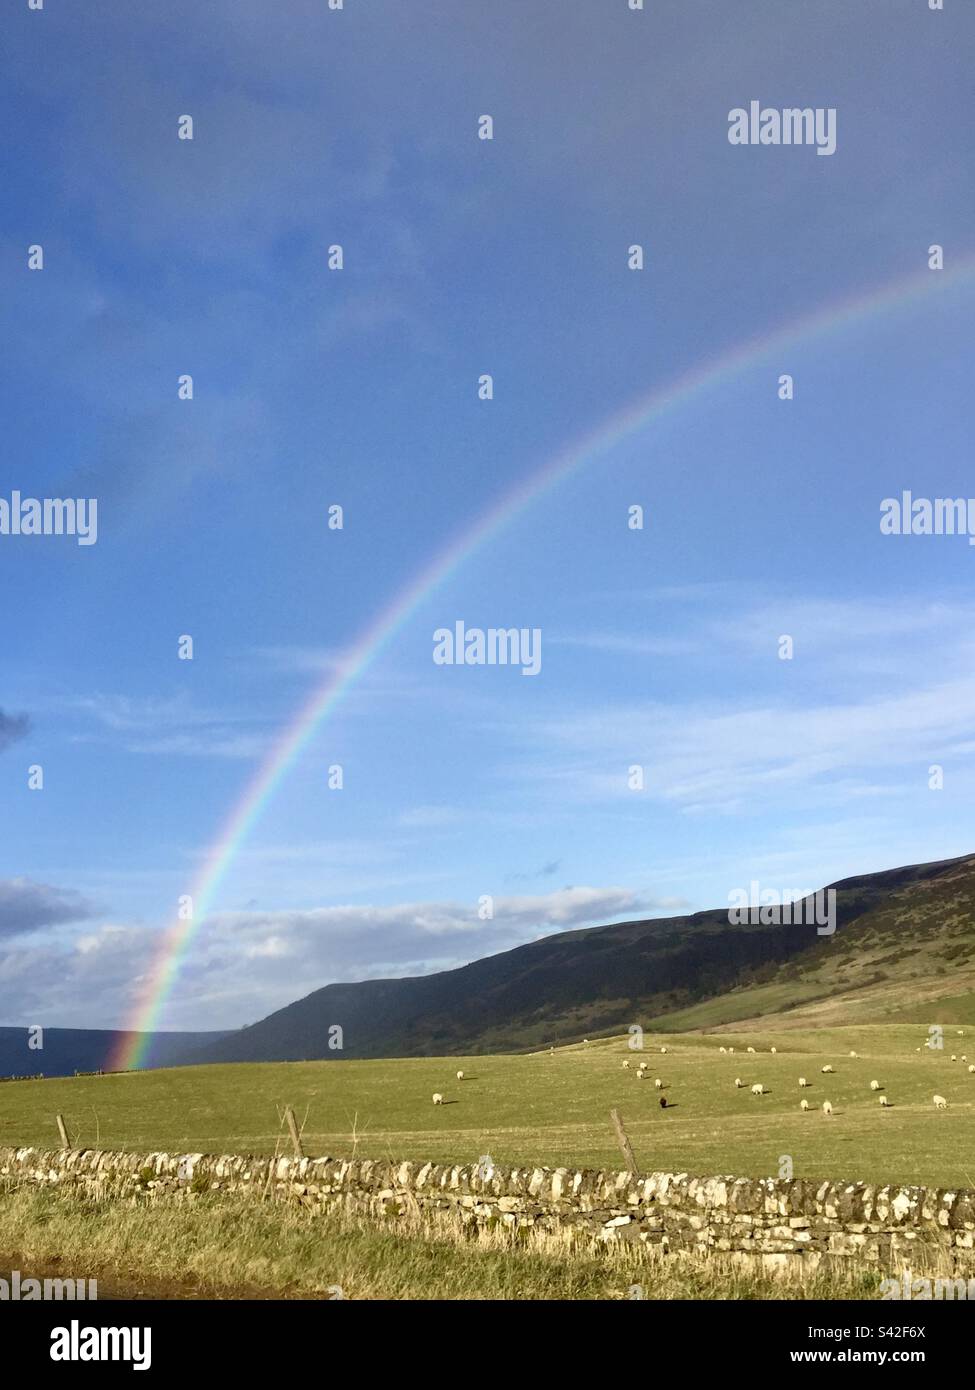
(312, 387)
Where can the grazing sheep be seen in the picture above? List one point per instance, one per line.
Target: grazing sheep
(772, 1050)
(963, 1057)
(954, 1058)
(722, 1049)
(663, 1049)
(827, 1108)
(875, 1085)
(940, 1103)
(750, 1049)
(626, 1066)
(643, 1066)
(826, 1069)
(658, 1083)
(738, 1083)
(804, 1104)
(437, 1098)
(803, 1082)
(961, 1032)
(917, 1049)
(663, 1102)
(731, 1049)
(460, 1076)
(883, 1101)
(758, 1089)
(971, 1068)
(640, 1074)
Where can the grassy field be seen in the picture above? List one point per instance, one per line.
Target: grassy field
(554, 1109)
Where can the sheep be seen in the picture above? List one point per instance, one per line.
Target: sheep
(954, 1058)
(437, 1098)
(585, 1040)
(626, 1066)
(772, 1050)
(460, 1076)
(804, 1104)
(875, 1085)
(826, 1069)
(643, 1066)
(722, 1049)
(750, 1049)
(758, 1089)
(663, 1102)
(827, 1107)
(963, 1057)
(731, 1049)
(663, 1049)
(883, 1101)
(803, 1082)
(658, 1083)
(640, 1074)
(738, 1083)
(971, 1068)
(917, 1049)
(940, 1103)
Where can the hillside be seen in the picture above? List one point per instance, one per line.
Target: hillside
(67, 1050)
(904, 936)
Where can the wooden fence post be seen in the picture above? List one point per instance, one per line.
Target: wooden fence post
(62, 1131)
(289, 1115)
(624, 1143)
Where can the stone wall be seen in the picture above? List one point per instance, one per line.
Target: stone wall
(776, 1222)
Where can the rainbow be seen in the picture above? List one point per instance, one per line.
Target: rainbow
(832, 318)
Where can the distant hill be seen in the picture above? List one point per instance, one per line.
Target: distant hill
(67, 1050)
(904, 936)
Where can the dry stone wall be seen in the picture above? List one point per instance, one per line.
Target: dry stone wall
(769, 1220)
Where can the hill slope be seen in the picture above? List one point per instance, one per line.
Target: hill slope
(914, 926)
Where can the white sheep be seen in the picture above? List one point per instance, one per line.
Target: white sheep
(663, 1049)
(437, 1098)
(643, 1066)
(826, 1069)
(640, 1074)
(722, 1049)
(758, 1089)
(731, 1049)
(804, 1104)
(971, 1068)
(827, 1108)
(803, 1082)
(658, 1083)
(626, 1066)
(875, 1085)
(883, 1101)
(963, 1057)
(738, 1083)
(460, 1076)
(954, 1058)
(853, 1054)
(750, 1049)
(940, 1103)
(772, 1050)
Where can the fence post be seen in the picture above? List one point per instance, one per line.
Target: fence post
(66, 1142)
(289, 1115)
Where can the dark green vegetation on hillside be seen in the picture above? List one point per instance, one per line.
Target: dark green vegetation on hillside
(904, 937)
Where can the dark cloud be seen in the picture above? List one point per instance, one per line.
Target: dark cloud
(12, 727)
(27, 906)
